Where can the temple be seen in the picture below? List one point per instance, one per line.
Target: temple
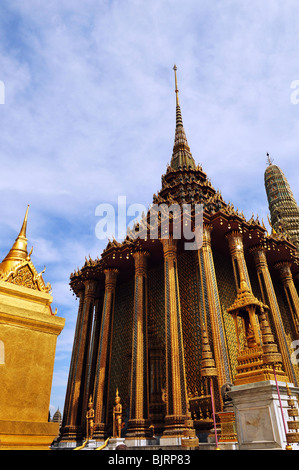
(28, 333)
(169, 328)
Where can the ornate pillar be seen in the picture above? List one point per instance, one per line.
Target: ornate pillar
(72, 421)
(98, 309)
(269, 298)
(176, 403)
(235, 242)
(100, 396)
(285, 272)
(211, 305)
(156, 404)
(67, 430)
(138, 426)
(90, 294)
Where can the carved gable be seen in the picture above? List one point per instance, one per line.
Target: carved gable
(23, 276)
(26, 275)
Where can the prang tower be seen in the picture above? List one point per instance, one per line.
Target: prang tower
(284, 211)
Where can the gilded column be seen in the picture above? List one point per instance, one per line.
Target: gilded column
(269, 298)
(235, 242)
(67, 431)
(285, 272)
(72, 427)
(176, 402)
(211, 305)
(98, 309)
(156, 403)
(138, 426)
(100, 396)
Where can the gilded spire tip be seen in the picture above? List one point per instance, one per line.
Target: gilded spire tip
(269, 159)
(24, 225)
(176, 85)
(18, 252)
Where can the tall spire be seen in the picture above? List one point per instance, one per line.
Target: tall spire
(18, 252)
(179, 120)
(181, 156)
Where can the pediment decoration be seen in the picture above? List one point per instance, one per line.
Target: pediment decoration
(25, 274)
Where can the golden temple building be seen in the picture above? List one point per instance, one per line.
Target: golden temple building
(28, 334)
(169, 328)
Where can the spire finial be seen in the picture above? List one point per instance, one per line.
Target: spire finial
(181, 156)
(176, 85)
(18, 252)
(24, 226)
(179, 120)
(269, 159)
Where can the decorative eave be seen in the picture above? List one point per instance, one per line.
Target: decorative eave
(120, 254)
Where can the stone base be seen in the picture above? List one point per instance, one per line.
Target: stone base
(24, 435)
(166, 441)
(140, 442)
(92, 444)
(114, 442)
(258, 415)
(228, 445)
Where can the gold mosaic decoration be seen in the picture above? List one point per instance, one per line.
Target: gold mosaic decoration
(122, 344)
(190, 311)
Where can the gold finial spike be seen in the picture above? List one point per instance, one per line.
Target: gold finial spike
(176, 85)
(24, 225)
(179, 120)
(18, 252)
(269, 159)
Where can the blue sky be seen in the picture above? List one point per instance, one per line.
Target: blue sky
(89, 115)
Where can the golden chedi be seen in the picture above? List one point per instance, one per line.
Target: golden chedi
(28, 334)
